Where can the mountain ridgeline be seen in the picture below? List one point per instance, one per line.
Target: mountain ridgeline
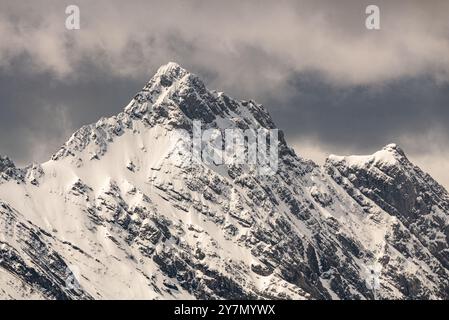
(119, 212)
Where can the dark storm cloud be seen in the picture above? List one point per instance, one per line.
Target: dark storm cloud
(38, 113)
(361, 117)
(327, 80)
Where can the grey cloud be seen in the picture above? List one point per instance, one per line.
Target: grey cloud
(328, 37)
(353, 116)
(334, 86)
(38, 113)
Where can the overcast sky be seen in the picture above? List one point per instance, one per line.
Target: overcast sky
(331, 84)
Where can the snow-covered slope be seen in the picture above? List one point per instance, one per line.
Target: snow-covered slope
(120, 212)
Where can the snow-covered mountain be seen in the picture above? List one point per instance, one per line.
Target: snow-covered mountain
(120, 212)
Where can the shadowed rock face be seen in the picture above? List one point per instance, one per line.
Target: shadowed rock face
(34, 265)
(7, 167)
(401, 188)
(404, 191)
(118, 202)
(5, 163)
(8, 170)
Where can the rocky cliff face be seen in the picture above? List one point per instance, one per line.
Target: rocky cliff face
(404, 191)
(121, 211)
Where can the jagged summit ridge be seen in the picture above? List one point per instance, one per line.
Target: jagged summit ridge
(168, 80)
(168, 73)
(172, 99)
(177, 89)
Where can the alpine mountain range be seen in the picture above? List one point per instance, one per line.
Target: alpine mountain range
(117, 213)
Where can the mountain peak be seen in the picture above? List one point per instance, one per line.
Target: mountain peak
(391, 146)
(170, 72)
(394, 149)
(173, 98)
(173, 76)
(390, 155)
(170, 65)
(169, 81)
